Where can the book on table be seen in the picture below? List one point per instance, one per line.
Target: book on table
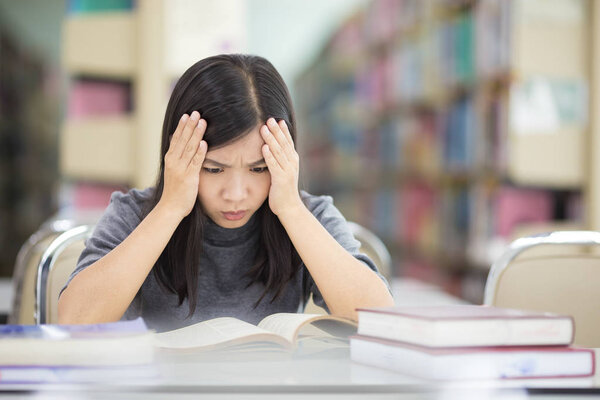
(80, 353)
(466, 326)
(79, 374)
(473, 363)
(287, 332)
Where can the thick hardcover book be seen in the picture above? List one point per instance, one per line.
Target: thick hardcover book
(115, 343)
(473, 363)
(103, 374)
(466, 326)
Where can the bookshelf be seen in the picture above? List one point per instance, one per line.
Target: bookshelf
(122, 59)
(450, 127)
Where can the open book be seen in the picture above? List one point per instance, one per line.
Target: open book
(286, 331)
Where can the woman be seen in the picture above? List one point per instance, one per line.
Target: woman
(225, 231)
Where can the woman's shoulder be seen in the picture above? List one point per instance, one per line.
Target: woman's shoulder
(133, 202)
(136, 196)
(319, 205)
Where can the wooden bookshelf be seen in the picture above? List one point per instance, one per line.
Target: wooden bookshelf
(146, 44)
(412, 116)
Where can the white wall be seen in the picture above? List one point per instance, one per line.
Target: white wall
(290, 33)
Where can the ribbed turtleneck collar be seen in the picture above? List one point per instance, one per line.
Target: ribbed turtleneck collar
(224, 237)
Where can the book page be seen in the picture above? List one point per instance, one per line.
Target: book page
(215, 333)
(288, 325)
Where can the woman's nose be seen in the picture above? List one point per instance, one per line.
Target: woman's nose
(235, 189)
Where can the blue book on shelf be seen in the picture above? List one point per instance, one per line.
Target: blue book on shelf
(90, 6)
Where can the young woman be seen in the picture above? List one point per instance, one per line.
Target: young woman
(225, 231)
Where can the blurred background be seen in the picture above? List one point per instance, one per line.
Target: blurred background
(447, 127)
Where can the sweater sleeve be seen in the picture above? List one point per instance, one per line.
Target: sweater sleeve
(120, 218)
(333, 221)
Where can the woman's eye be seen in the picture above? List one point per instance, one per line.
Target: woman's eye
(213, 170)
(259, 169)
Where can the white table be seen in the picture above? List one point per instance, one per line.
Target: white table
(253, 377)
(335, 378)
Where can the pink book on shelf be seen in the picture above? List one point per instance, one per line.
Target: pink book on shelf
(418, 208)
(93, 196)
(87, 98)
(515, 206)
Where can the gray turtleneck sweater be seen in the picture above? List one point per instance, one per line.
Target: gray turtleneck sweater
(227, 255)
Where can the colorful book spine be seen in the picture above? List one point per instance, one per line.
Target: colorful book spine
(91, 6)
(97, 98)
(515, 206)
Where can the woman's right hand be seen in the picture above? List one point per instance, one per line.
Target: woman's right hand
(183, 161)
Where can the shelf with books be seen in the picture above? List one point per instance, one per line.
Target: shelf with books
(99, 130)
(430, 103)
(121, 58)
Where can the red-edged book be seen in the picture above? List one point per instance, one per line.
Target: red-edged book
(466, 326)
(473, 363)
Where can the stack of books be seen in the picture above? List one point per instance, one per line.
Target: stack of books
(469, 342)
(50, 353)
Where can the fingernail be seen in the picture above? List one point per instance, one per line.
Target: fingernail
(195, 116)
(271, 121)
(184, 117)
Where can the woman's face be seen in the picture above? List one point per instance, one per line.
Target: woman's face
(234, 181)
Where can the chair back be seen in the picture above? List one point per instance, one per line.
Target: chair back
(561, 277)
(373, 247)
(25, 270)
(56, 265)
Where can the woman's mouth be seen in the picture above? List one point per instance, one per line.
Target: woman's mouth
(233, 215)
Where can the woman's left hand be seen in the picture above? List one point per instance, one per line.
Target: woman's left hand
(283, 163)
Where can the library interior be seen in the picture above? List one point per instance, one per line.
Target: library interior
(452, 135)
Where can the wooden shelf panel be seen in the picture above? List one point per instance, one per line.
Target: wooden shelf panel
(98, 149)
(101, 44)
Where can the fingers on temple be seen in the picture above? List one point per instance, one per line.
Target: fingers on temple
(193, 144)
(198, 158)
(286, 131)
(289, 145)
(176, 135)
(277, 132)
(186, 133)
(272, 163)
(274, 146)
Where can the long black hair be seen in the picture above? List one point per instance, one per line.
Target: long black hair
(234, 93)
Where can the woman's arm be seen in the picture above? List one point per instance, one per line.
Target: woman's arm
(103, 291)
(345, 282)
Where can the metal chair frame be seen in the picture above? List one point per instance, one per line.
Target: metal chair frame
(25, 252)
(46, 265)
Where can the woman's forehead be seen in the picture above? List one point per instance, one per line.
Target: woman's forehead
(247, 148)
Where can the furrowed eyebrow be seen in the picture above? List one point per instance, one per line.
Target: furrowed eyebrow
(221, 165)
